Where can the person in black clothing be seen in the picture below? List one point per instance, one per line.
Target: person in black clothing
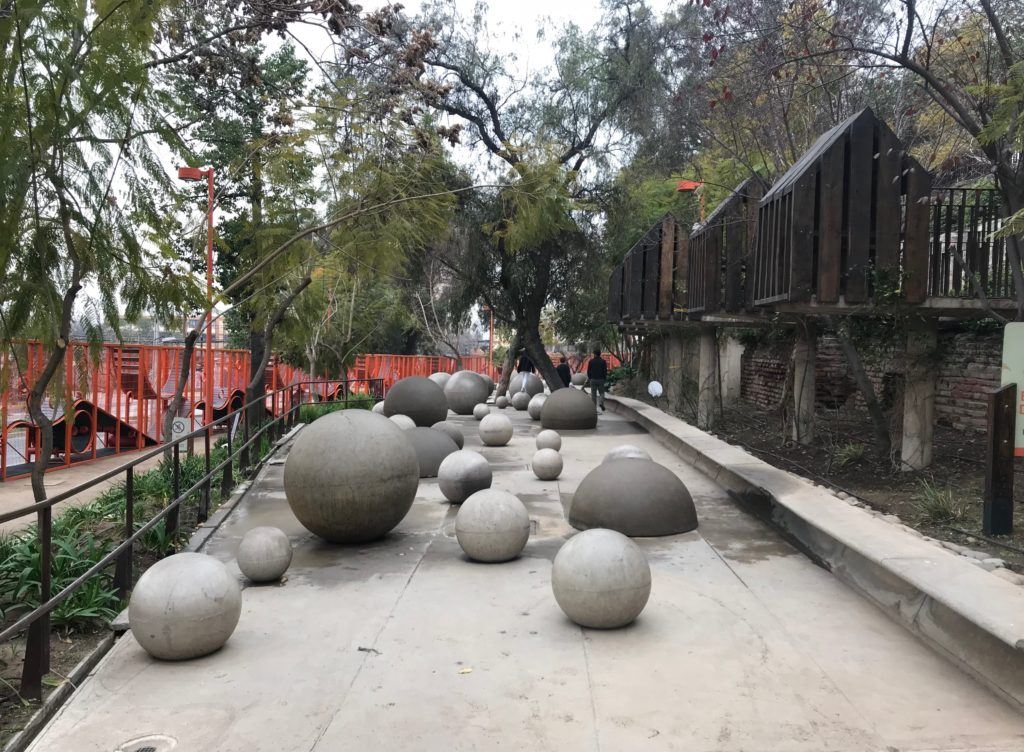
(597, 373)
(563, 371)
(525, 364)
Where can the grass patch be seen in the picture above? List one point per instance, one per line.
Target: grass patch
(847, 455)
(939, 505)
(313, 410)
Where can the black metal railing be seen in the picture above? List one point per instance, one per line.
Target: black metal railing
(254, 424)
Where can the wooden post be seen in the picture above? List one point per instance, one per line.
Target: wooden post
(997, 513)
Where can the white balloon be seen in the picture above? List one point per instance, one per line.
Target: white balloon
(654, 389)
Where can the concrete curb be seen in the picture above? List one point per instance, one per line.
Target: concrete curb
(974, 619)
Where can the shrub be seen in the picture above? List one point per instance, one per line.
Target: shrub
(939, 505)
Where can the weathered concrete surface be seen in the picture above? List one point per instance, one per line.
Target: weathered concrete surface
(404, 644)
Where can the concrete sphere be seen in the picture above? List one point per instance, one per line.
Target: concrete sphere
(264, 554)
(521, 400)
(465, 390)
(419, 398)
(492, 526)
(534, 406)
(601, 579)
(488, 381)
(626, 452)
(548, 439)
(635, 497)
(568, 410)
(431, 446)
(495, 430)
(462, 474)
(351, 476)
(403, 421)
(184, 606)
(440, 378)
(452, 430)
(501, 402)
(578, 379)
(547, 464)
(525, 382)
(378, 407)
(481, 411)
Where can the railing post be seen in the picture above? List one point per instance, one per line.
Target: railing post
(246, 435)
(123, 570)
(228, 481)
(171, 520)
(37, 645)
(204, 497)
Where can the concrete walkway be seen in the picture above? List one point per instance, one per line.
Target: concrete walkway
(406, 645)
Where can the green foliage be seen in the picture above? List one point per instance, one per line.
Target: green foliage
(939, 505)
(847, 455)
(310, 412)
(625, 372)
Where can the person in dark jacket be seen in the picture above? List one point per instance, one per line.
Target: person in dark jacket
(525, 364)
(563, 371)
(597, 374)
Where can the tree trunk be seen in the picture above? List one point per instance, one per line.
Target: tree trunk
(535, 349)
(510, 363)
(1013, 199)
(879, 423)
(251, 391)
(174, 406)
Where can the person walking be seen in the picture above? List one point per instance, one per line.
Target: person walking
(597, 374)
(563, 371)
(525, 364)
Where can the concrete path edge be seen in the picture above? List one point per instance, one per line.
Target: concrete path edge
(974, 619)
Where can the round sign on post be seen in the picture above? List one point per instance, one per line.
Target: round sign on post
(179, 429)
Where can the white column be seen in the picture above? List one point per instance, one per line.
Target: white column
(708, 385)
(805, 351)
(918, 398)
(731, 363)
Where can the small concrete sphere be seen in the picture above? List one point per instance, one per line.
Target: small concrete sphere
(634, 497)
(578, 379)
(626, 452)
(534, 406)
(403, 421)
(525, 382)
(452, 430)
(264, 554)
(547, 464)
(440, 378)
(568, 410)
(481, 411)
(548, 439)
(492, 526)
(431, 446)
(495, 430)
(462, 474)
(378, 407)
(184, 606)
(351, 476)
(521, 400)
(601, 579)
(419, 398)
(465, 390)
(501, 402)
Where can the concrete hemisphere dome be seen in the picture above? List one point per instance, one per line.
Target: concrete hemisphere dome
(462, 474)
(403, 421)
(431, 446)
(525, 382)
(495, 430)
(378, 407)
(351, 476)
(635, 497)
(184, 606)
(492, 526)
(419, 398)
(440, 378)
(464, 391)
(626, 452)
(601, 579)
(548, 439)
(533, 408)
(547, 464)
(481, 411)
(521, 400)
(452, 430)
(264, 554)
(578, 379)
(501, 402)
(568, 410)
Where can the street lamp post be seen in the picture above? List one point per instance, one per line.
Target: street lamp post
(195, 173)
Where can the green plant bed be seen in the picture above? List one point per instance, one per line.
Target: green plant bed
(311, 411)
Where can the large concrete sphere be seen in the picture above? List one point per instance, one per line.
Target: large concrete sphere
(501, 402)
(465, 390)
(184, 606)
(535, 404)
(548, 439)
(495, 430)
(492, 526)
(525, 382)
(403, 421)
(626, 452)
(431, 446)
(462, 474)
(568, 410)
(488, 381)
(440, 378)
(578, 379)
(601, 579)
(481, 411)
(452, 430)
(635, 497)
(351, 476)
(378, 407)
(419, 398)
(521, 400)
(547, 464)
(264, 554)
